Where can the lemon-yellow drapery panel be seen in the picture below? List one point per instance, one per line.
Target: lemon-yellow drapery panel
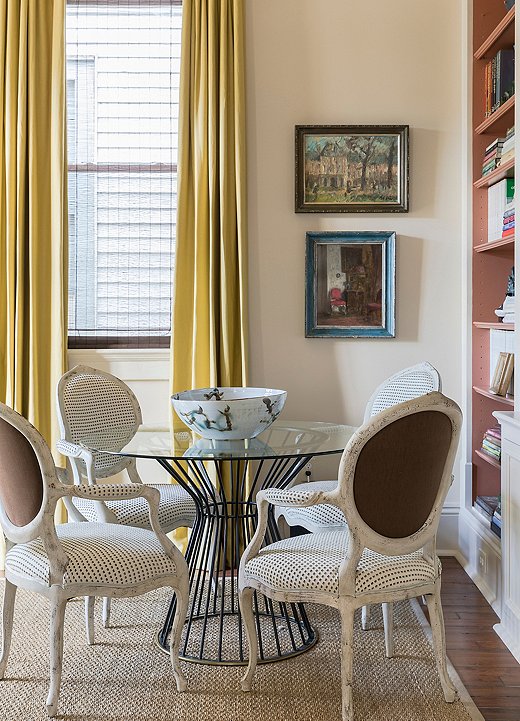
(33, 208)
(209, 341)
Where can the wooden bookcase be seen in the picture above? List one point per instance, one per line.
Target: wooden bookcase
(493, 29)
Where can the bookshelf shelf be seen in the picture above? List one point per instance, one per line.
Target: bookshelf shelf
(492, 396)
(498, 326)
(507, 170)
(502, 35)
(506, 109)
(504, 113)
(488, 459)
(493, 245)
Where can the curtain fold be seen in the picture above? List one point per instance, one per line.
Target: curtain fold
(209, 342)
(33, 208)
(209, 330)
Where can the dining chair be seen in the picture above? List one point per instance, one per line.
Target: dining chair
(417, 380)
(96, 405)
(393, 479)
(75, 559)
(408, 383)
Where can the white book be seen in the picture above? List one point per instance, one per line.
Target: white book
(500, 341)
(497, 201)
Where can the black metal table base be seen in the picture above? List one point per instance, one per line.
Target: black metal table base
(224, 492)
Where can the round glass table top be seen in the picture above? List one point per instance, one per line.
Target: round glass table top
(284, 439)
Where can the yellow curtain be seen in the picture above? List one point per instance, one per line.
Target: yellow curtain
(33, 208)
(209, 313)
(209, 341)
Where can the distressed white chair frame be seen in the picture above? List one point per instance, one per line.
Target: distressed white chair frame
(404, 385)
(360, 537)
(97, 405)
(59, 591)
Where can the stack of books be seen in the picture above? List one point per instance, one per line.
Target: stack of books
(496, 520)
(508, 224)
(486, 506)
(499, 80)
(492, 156)
(508, 149)
(492, 443)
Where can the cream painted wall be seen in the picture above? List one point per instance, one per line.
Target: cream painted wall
(353, 62)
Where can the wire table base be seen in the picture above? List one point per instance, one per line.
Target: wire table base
(224, 492)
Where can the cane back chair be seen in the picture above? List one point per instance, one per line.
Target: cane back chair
(402, 386)
(394, 476)
(96, 405)
(75, 559)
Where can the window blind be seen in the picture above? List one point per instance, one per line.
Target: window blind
(123, 61)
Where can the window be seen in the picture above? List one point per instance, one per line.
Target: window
(123, 61)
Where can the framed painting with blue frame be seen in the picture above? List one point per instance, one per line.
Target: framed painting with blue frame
(350, 285)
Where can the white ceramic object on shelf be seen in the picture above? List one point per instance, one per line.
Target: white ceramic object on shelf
(229, 413)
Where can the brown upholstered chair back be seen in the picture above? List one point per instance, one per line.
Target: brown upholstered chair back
(399, 472)
(21, 482)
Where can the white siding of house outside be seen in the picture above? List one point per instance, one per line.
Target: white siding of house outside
(123, 64)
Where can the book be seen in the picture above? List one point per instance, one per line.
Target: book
(503, 369)
(499, 197)
(505, 76)
(497, 530)
(487, 516)
(487, 503)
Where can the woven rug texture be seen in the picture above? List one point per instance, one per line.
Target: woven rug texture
(124, 677)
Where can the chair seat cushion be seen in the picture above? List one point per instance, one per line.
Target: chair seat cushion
(99, 553)
(323, 517)
(176, 509)
(312, 561)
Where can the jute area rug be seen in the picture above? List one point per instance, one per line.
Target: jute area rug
(123, 677)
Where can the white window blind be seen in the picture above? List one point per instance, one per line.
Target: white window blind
(123, 61)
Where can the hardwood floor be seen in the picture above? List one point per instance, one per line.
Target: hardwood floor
(487, 669)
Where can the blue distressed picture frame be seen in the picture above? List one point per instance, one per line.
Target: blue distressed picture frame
(350, 284)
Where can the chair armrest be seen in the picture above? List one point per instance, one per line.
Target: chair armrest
(74, 450)
(297, 496)
(71, 450)
(115, 492)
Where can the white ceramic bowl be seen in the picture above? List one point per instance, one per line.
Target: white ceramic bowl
(229, 413)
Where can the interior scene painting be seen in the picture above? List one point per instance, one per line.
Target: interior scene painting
(350, 283)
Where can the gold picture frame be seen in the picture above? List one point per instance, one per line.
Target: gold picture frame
(503, 374)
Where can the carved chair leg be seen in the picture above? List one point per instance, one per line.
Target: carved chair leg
(89, 618)
(346, 610)
(388, 621)
(106, 611)
(56, 656)
(439, 643)
(246, 609)
(365, 617)
(7, 624)
(183, 594)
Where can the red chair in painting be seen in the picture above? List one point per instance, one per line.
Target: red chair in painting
(337, 302)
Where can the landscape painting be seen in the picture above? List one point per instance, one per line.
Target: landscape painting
(350, 284)
(351, 169)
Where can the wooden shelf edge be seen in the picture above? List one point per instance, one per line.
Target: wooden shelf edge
(500, 243)
(498, 174)
(492, 396)
(488, 459)
(495, 34)
(498, 326)
(488, 123)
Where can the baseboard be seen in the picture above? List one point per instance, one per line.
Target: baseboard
(508, 639)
